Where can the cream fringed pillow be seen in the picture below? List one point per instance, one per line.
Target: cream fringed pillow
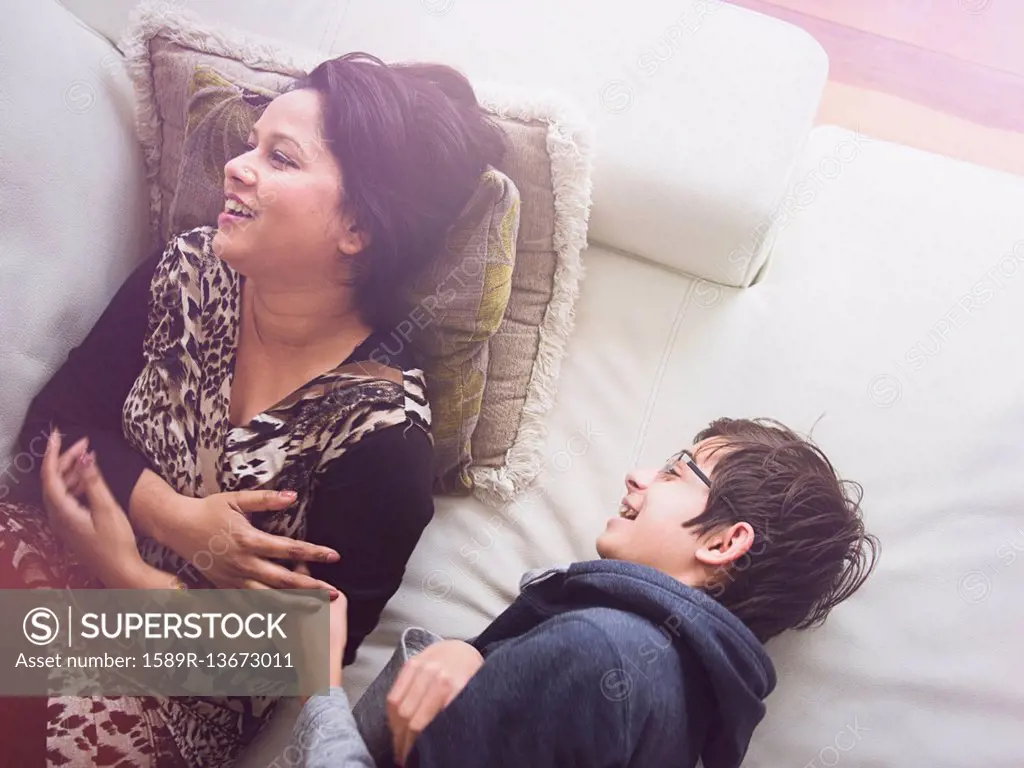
(544, 179)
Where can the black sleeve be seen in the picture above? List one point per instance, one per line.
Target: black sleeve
(371, 505)
(87, 393)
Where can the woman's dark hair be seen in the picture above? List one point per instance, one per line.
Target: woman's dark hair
(412, 141)
(810, 548)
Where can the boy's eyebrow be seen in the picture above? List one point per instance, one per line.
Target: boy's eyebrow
(689, 458)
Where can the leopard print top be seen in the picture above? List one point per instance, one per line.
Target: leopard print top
(177, 416)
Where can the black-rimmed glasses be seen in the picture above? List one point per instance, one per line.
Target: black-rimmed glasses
(687, 458)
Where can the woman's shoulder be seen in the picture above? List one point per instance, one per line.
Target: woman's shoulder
(381, 351)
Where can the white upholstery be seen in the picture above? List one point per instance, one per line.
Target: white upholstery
(311, 23)
(72, 198)
(917, 663)
(875, 246)
(701, 107)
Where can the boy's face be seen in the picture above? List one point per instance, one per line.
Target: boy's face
(660, 501)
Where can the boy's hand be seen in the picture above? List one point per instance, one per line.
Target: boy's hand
(428, 683)
(338, 637)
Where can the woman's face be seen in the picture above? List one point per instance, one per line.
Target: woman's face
(283, 198)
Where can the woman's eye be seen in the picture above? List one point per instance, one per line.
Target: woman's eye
(282, 159)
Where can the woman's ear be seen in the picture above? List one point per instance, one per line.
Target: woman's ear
(726, 545)
(354, 239)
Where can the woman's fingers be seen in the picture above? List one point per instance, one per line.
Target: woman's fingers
(253, 584)
(64, 510)
(101, 500)
(55, 492)
(248, 502)
(305, 604)
(75, 485)
(279, 577)
(334, 593)
(74, 479)
(67, 461)
(61, 472)
(268, 545)
(51, 458)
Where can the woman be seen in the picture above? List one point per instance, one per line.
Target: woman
(232, 375)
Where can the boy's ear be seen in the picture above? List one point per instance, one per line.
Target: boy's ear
(726, 545)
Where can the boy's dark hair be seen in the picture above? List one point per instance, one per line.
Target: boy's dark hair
(810, 548)
(412, 142)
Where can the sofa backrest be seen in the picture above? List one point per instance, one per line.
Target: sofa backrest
(700, 108)
(73, 199)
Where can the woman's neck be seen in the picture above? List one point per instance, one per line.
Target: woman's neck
(290, 319)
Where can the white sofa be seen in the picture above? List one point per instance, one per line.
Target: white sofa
(888, 321)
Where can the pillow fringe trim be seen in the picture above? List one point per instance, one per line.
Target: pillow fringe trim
(570, 149)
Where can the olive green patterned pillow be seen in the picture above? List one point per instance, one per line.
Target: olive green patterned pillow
(458, 305)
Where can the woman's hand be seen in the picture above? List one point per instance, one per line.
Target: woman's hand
(98, 531)
(428, 683)
(218, 528)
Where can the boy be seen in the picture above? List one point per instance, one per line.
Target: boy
(653, 655)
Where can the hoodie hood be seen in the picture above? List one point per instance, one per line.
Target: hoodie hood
(738, 668)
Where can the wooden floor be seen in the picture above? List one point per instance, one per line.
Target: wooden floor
(942, 75)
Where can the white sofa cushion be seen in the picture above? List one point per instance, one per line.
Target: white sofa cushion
(701, 108)
(72, 201)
